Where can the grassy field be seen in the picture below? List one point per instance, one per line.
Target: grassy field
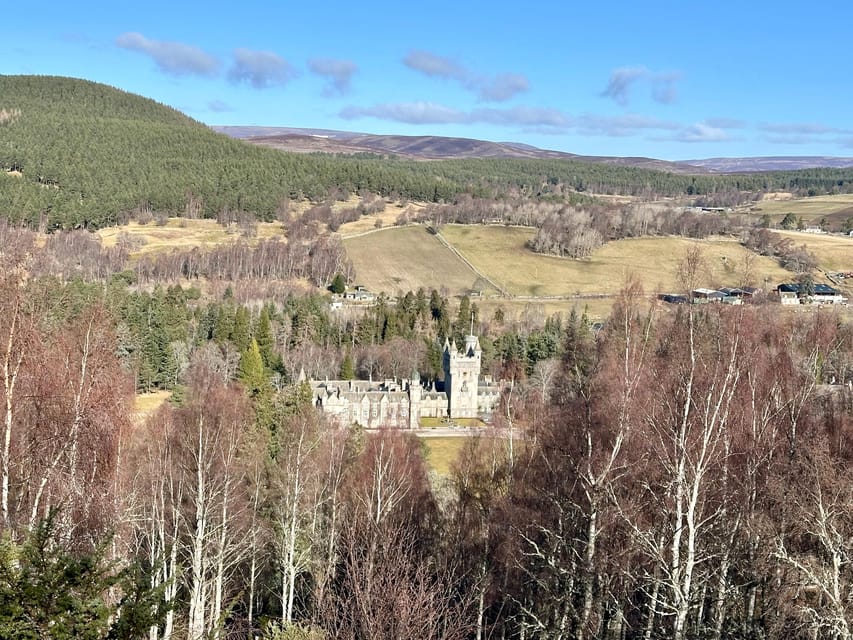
(404, 258)
(501, 253)
(386, 218)
(180, 233)
(811, 209)
(834, 253)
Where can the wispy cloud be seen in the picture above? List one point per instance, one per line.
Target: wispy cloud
(260, 69)
(664, 89)
(789, 139)
(435, 66)
(550, 121)
(408, 113)
(218, 106)
(499, 88)
(544, 120)
(725, 123)
(802, 133)
(702, 132)
(338, 74)
(524, 116)
(801, 128)
(502, 87)
(173, 58)
(623, 79)
(621, 126)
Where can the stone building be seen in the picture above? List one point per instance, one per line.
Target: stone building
(401, 404)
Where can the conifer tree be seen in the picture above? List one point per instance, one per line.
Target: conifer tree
(251, 370)
(347, 368)
(264, 338)
(242, 332)
(223, 327)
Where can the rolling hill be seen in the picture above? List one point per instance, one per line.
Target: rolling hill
(426, 147)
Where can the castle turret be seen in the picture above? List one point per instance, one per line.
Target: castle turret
(461, 377)
(415, 391)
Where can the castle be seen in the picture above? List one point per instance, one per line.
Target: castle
(389, 403)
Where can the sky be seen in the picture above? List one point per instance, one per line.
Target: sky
(669, 80)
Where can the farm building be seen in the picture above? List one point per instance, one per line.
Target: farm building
(791, 293)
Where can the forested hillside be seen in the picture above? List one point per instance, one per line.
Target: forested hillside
(80, 154)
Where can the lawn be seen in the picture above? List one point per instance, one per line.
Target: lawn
(443, 451)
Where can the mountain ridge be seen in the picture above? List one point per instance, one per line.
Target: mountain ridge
(307, 140)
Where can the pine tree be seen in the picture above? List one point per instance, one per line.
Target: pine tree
(223, 327)
(462, 326)
(251, 372)
(48, 590)
(242, 332)
(265, 339)
(347, 368)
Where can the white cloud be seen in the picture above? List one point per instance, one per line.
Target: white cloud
(338, 73)
(173, 58)
(408, 112)
(702, 132)
(498, 88)
(260, 69)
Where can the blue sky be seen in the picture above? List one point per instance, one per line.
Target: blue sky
(670, 80)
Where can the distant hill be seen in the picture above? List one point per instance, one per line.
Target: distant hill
(770, 163)
(438, 147)
(425, 147)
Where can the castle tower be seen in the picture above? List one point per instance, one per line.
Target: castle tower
(415, 391)
(461, 377)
